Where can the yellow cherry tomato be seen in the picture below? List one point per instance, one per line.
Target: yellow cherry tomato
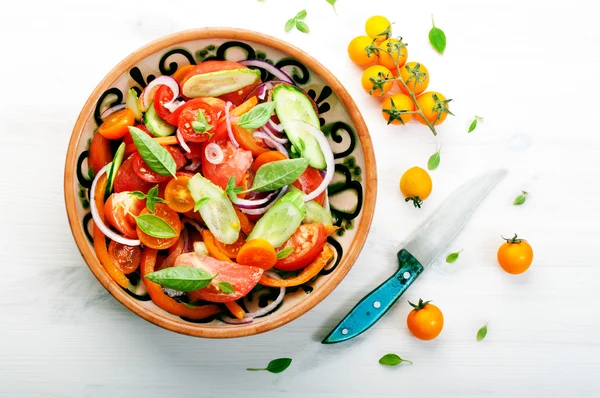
(357, 51)
(416, 77)
(425, 321)
(377, 28)
(515, 255)
(392, 51)
(375, 80)
(435, 107)
(394, 106)
(416, 185)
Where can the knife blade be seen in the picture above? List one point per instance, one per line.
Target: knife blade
(425, 244)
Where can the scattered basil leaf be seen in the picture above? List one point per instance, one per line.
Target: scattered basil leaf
(151, 198)
(519, 200)
(482, 332)
(434, 161)
(473, 124)
(302, 27)
(184, 279)
(156, 157)
(281, 254)
(226, 287)
(201, 202)
(290, 24)
(297, 22)
(155, 226)
(301, 14)
(275, 175)
(231, 190)
(275, 366)
(257, 116)
(332, 2)
(452, 257)
(437, 38)
(392, 360)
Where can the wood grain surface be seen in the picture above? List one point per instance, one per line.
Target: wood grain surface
(529, 67)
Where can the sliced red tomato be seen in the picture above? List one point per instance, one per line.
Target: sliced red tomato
(118, 210)
(147, 174)
(236, 161)
(163, 211)
(189, 115)
(308, 242)
(217, 105)
(220, 133)
(127, 180)
(163, 95)
(309, 181)
(243, 278)
(236, 97)
(127, 137)
(99, 153)
(126, 258)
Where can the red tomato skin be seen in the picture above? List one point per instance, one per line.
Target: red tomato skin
(309, 239)
(190, 115)
(99, 154)
(236, 162)
(163, 95)
(309, 181)
(117, 209)
(127, 180)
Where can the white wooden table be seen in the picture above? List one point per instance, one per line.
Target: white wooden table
(530, 68)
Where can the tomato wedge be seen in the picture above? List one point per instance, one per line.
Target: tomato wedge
(119, 210)
(126, 258)
(99, 153)
(307, 242)
(236, 161)
(163, 211)
(163, 95)
(247, 141)
(147, 174)
(242, 278)
(309, 181)
(127, 180)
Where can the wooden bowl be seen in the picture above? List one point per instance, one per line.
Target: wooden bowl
(352, 192)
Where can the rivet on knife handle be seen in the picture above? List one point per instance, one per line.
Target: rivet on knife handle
(374, 305)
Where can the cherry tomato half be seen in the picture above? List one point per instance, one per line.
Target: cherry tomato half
(178, 195)
(118, 210)
(307, 242)
(147, 174)
(189, 115)
(126, 258)
(163, 211)
(115, 125)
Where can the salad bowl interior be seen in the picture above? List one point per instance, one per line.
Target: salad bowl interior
(351, 193)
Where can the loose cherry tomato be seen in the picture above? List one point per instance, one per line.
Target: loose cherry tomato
(115, 125)
(163, 95)
(515, 255)
(127, 180)
(309, 181)
(118, 210)
(425, 321)
(147, 174)
(126, 258)
(163, 211)
(247, 141)
(236, 161)
(307, 242)
(178, 195)
(267, 157)
(416, 185)
(99, 153)
(189, 115)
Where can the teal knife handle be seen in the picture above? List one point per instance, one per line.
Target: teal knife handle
(374, 305)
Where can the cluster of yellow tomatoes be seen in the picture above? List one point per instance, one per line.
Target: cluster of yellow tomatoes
(385, 58)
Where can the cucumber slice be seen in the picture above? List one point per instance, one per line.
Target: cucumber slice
(315, 213)
(133, 104)
(281, 221)
(291, 104)
(217, 212)
(111, 171)
(154, 123)
(214, 84)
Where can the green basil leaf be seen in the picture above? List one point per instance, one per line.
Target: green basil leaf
(434, 161)
(301, 15)
(284, 252)
(152, 198)
(392, 360)
(156, 157)
(257, 116)
(275, 175)
(138, 194)
(155, 226)
(437, 38)
(332, 2)
(184, 279)
(519, 200)
(275, 366)
(290, 24)
(226, 287)
(482, 332)
(302, 27)
(452, 257)
(201, 202)
(473, 125)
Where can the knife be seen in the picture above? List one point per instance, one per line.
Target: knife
(426, 243)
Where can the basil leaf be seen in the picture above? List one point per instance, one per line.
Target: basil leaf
(152, 198)
(392, 360)
(519, 200)
(302, 27)
(138, 194)
(482, 332)
(275, 366)
(226, 287)
(473, 124)
(275, 175)
(285, 252)
(184, 279)
(201, 202)
(437, 38)
(257, 116)
(301, 15)
(155, 226)
(434, 161)
(452, 257)
(156, 157)
(290, 24)
(332, 2)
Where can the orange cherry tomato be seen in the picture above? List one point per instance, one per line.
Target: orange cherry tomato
(416, 77)
(247, 141)
(115, 125)
(392, 51)
(163, 211)
(515, 255)
(394, 107)
(178, 195)
(425, 321)
(267, 157)
(358, 53)
(126, 258)
(257, 253)
(435, 107)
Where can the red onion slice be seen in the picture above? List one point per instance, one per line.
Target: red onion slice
(182, 142)
(263, 210)
(195, 165)
(111, 110)
(193, 223)
(275, 138)
(228, 124)
(327, 153)
(254, 203)
(172, 106)
(96, 216)
(272, 69)
(159, 81)
(269, 140)
(264, 311)
(234, 321)
(275, 126)
(213, 153)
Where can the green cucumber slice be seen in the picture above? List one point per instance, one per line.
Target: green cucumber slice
(133, 104)
(315, 213)
(111, 170)
(217, 212)
(157, 126)
(292, 104)
(214, 84)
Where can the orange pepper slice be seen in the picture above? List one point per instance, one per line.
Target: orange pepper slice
(182, 72)
(245, 224)
(307, 273)
(245, 107)
(209, 241)
(235, 309)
